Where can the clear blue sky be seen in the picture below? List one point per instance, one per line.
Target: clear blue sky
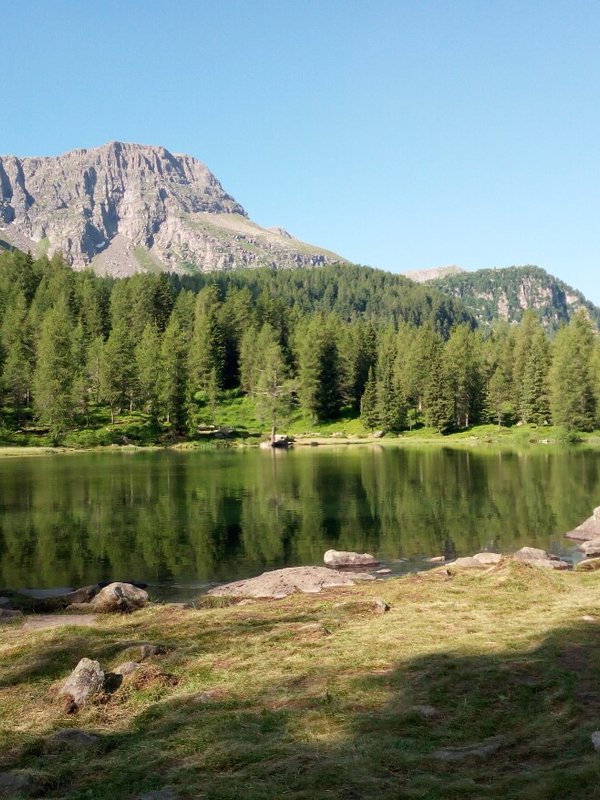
(403, 134)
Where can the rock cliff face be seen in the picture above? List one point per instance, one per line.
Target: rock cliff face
(507, 293)
(123, 208)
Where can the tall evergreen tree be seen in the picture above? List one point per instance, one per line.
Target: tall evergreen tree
(54, 372)
(571, 390)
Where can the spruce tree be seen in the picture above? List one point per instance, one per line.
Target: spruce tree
(571, 391)
(369, 407)
(54, 372)
(172, 372)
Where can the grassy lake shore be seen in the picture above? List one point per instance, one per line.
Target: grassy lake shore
(323, 697)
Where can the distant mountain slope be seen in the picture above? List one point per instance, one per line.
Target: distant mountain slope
(425, 275)
(126, 208)
(507, 293)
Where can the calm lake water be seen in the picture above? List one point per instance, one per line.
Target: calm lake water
(181, 521)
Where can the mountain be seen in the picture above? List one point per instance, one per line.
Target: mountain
(125, 208)
(507, 293)
(426, 275)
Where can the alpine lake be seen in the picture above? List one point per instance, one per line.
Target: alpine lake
(182, 521)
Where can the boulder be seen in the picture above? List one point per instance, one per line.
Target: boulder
(345, 558)
(590, 549)
(119, 597)
(539, 558)
(282, 582)
(477, 561)
(86, 680)
(589, 529)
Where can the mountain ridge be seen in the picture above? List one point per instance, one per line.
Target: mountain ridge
(123, 208)
(507, 292)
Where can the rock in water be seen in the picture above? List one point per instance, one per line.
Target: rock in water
(589, 529)
(123, 597)
(86, 680)
(345, 558)
(282, 582)
(590, 549)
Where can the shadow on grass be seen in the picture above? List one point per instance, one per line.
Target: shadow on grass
(365, 735)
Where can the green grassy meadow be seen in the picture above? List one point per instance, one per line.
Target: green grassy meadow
(322, 697)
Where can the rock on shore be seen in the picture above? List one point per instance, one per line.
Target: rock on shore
(283, 582)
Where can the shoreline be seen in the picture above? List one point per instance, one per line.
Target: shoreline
(461, 440)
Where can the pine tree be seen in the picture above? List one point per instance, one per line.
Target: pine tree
(119, 370)
(438, 397)
(19, 355)
(369, 407)
(147, 357)
(172, 383)
(54, 372)
(535, 399)
(571, 391)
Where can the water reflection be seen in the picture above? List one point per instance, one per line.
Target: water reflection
(191, 518)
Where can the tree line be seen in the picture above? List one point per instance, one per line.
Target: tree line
(323, 341)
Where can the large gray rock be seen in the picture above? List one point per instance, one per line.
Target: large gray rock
(590, 549)
(86, 680)
(282, 582)
(589, 529)
(540, 558)
(478, 561)
(119, 597)
(346, 558)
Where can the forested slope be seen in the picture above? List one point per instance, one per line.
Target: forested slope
(78, 351)
(507, 293)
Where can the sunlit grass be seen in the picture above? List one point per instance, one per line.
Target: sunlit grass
(317, 696)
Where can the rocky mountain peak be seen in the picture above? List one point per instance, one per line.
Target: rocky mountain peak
(126, 207)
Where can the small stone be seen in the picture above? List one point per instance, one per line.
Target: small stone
(383, 571)
(149, 650)
(126, 668)
(589, 618)
(74, 738)
(596, 741)
(425, 711)
(436, 560)
(481, 750)
(381, 607)
(86, 680)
